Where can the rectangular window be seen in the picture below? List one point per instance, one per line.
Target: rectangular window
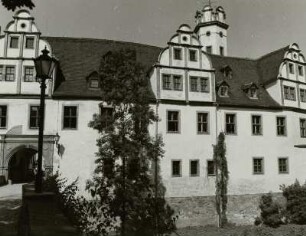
(301, 70)
(9, 73)
(176, 169)
(177, 82)
(204, 87)
(303, 128)
(1, 72)
(14, 42)
(3, 116)
(29, 43)
(34, 117)
(194, 168)
(289, 93)
(166, 82)
(106, 114)
(209, 49)
(94, 83)
(202, 123)
(283, 165)
(70, 117)
(230, 124)
(281, 126)
(193, 84)
(173, 121)
(258, 165)
(192, 55)
(291, 68)
(211, 168)
(222, 51)
(303, 95)
(29, 74)
(256, 125)
(177, 54)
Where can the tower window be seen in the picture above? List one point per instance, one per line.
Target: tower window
(301, 71)
(192, 55)
(209, 49)
(14, 42)
(221, 34)
(222, 51)
(29, 44)
(291, 68)
(177, 54)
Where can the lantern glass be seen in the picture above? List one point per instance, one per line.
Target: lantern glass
(44, 65)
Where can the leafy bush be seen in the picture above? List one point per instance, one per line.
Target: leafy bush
(295, 195)
(270, 211)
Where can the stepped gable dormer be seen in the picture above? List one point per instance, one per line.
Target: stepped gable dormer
(183, 71)
(21, 43)
(211, 30)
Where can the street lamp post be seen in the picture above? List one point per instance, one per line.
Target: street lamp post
(44, 66)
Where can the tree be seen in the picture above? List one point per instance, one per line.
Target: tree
(13, 4)
(124, 177)
(221, 179)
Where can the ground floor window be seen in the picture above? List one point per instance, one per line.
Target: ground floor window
(283, 165)
(194, 168)
(258, 165)
(176, 168)
(211, 168)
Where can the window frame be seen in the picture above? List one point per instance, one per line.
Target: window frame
(220, 91)
(6, 74)
(235, 123)
(208, 49)
(10, 41)
(197, 174)
(6, 116)
(63, 117)
(178, 122)
(284, 126)
(26, 42)
(180, 168)
(262, 172)
(207, 165)
(303, 129)
(279, 165)
(302, 95)
(177, 54)
(207, 122)
(164, 76)
(300, 70)
(105, 125)
(200, 79)
(193, 57)
(173, 78)
(30, 106)
(24, 74)
(191, 85)
(221, 48)
(2, 72)
(260, 125)
(291, 68)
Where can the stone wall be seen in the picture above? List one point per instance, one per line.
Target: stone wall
(200, 211)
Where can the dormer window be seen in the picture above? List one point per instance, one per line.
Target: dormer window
(226, 70)
(223, 91)
(93, 80)
(251, 90)
(14, 42)
(177, 54)
(222, 88)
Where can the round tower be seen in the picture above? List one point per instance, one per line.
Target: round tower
(211, 29)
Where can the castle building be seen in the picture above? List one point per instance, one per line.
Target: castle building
(198, 92)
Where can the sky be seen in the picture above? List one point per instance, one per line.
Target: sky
(257, 27)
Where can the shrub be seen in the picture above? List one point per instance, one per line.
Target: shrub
(295, 195)
(270, 211)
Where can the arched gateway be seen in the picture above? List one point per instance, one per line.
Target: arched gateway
(19, 154)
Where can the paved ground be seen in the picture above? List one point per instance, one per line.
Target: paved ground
(10, 203)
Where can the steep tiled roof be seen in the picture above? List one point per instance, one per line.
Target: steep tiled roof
(80, 57)
(246, 71)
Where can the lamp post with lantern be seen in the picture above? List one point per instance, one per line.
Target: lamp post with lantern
(44, 66)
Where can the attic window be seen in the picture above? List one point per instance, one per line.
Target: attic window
(253, 93)
(94, 83)
(251, 90)
(223, 91)
(226, 70)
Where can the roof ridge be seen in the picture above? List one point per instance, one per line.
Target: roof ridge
(273, 52)
(98, 40)
(232, 57)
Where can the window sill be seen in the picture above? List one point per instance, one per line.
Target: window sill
(175, 176)
(173, 132)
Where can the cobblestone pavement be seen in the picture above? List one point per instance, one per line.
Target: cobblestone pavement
(10, 203)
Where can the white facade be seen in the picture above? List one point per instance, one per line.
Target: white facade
(191, 107)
